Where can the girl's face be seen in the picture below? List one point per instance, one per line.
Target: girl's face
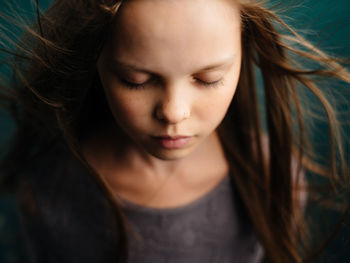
(170, 70)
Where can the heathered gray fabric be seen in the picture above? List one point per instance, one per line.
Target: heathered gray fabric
(208, 230)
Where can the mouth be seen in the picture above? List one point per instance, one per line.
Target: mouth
(172, 142)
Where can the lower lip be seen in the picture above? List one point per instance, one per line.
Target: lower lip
(173, 143)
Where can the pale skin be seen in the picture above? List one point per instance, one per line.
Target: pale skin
(169, 68)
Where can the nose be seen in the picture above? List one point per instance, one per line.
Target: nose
(173, 107)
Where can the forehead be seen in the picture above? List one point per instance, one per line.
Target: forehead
(162, 33)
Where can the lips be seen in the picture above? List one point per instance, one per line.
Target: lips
(172, 142)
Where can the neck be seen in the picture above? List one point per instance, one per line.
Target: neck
(147, 180)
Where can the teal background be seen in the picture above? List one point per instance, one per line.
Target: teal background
(326, 23)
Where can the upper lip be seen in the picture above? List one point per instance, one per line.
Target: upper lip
(171, 137)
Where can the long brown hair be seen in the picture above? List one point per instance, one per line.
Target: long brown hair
(56, 98)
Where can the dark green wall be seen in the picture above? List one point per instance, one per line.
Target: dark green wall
(325, 22)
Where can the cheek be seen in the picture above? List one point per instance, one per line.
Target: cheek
(216, 107)
(217, 102)
(129, 110)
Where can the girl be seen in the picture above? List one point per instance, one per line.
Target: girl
(140, 137)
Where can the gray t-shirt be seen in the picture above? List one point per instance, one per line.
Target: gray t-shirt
(208, 230)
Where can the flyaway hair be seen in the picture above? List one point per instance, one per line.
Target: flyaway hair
(56, 98)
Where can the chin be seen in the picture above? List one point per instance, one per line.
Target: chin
(171, 155)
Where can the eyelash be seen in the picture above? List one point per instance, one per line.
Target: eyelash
(212, 84)
(132, 85)
(135, 86)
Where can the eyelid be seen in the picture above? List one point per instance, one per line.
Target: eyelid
(135, 85)
(210, 75)
(210, 83)
(134, 79)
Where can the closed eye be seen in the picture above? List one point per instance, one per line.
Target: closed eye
(209, 83)
(135, 85)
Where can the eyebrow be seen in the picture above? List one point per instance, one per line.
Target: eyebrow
(216, 65)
